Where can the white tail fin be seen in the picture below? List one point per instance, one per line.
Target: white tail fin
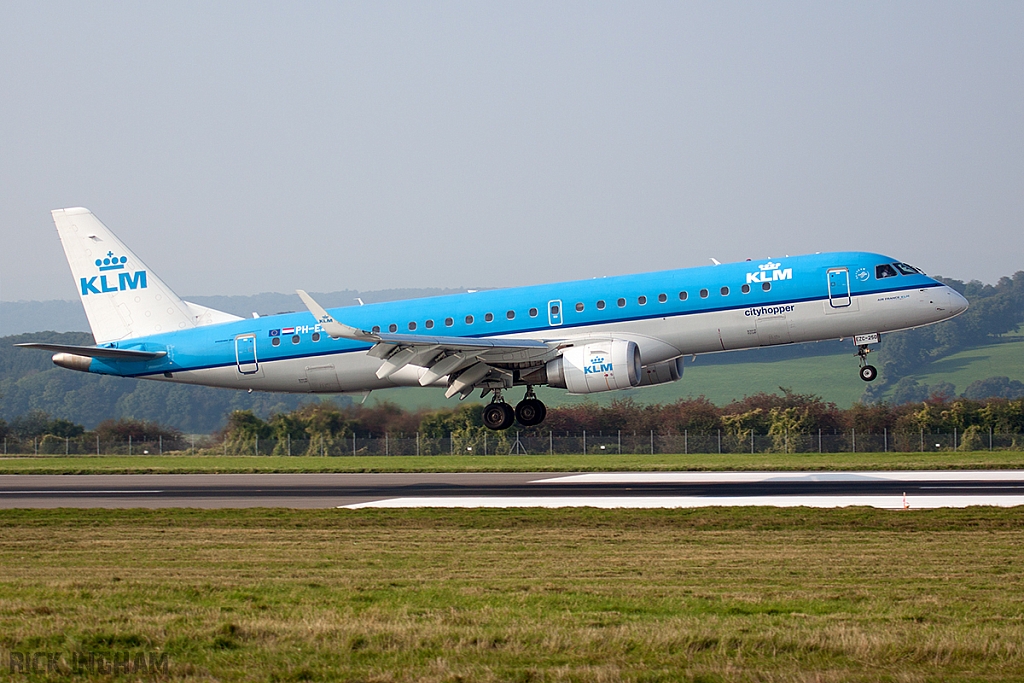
(123, 299)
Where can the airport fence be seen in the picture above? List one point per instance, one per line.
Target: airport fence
(515, 442)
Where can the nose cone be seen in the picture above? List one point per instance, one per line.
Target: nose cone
(957, 303)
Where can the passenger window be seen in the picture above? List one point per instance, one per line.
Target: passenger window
(905, 269)
(725, 291)
(766, 286)
(276, 341)
(392, 328)
(316, 336)
(510, 315)
(884, 271)
(600, 305)
(554, 310)
(662, 298)
(488, 317)
(745, 289)
(295, 339)
(448, 322)
(642, 300)
(533, 312)
(469, 320)
(376, 329)
(703, 294)
(683, 296)
(412, 327)
(579, 307)
(621, 303)
(429, 324)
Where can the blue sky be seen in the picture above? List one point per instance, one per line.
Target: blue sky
(246, 147)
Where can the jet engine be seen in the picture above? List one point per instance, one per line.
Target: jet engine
(597, 366)
(659, 373)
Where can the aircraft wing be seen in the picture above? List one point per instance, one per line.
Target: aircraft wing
(96, 351)
(476, 359)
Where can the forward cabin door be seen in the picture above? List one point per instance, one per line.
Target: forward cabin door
(839, 287)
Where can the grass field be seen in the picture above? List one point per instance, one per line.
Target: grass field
(527, 595)
(181, 464)
(1004, 359)
(833, 377)
(719, 383)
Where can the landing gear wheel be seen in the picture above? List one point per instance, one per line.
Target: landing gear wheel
(530, 412)
(499, 416)
(868, 373)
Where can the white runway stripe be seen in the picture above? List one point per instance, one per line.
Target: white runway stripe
(752, 477)
(885, 501)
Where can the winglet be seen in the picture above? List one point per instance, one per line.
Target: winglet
(331, 326)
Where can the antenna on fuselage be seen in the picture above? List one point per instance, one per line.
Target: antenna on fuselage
(716, 261)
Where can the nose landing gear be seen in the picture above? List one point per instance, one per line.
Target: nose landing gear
(867, 372)
(529, 412)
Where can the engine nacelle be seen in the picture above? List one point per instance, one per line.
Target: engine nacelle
(597, 366)
(659, 373)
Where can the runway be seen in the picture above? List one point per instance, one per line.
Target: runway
(531, 489)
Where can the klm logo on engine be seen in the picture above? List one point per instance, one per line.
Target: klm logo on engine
(105, 282)
(596, 366)
(769, 272)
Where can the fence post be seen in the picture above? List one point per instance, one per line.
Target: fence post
(551, 442)
(193, 443)
(387, 445)
(686, 442)
(989, 440)
(885, 436)
(485, 442)
(854, 430)
(652, 441)
(585, 442)
(620, 442)
(751, 439)
(129, 444)
(451, 444)
(257, 448)
(288, 440)
(922, 439)
(719, 440)
(161, 444)
(353, 442)
(785, 444)
(35, 446)
(66, 442)
(819, 439)
(954, 439)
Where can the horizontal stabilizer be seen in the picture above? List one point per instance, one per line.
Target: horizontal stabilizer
(96, 352)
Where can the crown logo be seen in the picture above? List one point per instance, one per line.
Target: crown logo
(769, 266)
(111, 262)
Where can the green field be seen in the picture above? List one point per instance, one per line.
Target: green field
(834, 378)
(181, 464)
(752, 594)
(1005, 359)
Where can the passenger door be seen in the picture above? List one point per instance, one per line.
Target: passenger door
(839, 287)
(245, 354)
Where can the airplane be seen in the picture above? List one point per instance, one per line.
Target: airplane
(585, 336)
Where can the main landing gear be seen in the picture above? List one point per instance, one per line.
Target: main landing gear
(867, 372)
(529, 412)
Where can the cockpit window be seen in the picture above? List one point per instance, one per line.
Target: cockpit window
(906, 269)
(884, 270)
